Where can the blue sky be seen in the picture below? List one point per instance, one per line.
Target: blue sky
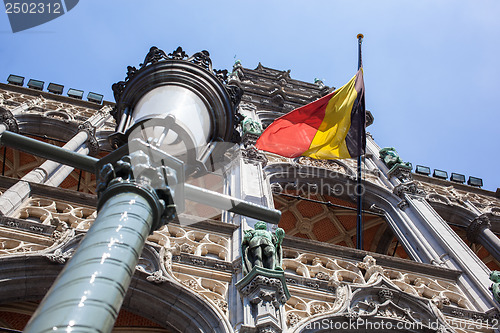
(431, 71)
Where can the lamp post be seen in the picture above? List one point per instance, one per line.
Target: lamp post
(173, 111)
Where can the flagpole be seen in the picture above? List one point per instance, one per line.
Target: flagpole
(359, 188)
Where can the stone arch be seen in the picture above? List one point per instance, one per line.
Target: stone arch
(169, 304)
(452, 212)
(40, 125)
(376, 198)
(380, 307)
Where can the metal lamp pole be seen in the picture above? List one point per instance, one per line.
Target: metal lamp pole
(88, 293)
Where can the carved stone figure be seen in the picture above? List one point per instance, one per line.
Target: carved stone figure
(262, 248)
(392, 159)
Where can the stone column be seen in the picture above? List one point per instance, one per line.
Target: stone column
(479, 231)
(63, 171)
(454, 252)
(254, 188)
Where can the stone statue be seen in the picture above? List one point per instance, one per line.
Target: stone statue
(391, 158)
(495, 287)
(248, 125)
(262, 248)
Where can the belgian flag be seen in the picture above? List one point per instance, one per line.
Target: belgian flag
(331, 127)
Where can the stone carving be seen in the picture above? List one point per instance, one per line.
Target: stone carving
(178, 54)
(369, 265)
(9, 246)
(438, 198)
(477, 226)
(7, 118)
(495, 211)
(408, 187)
(343, 273)
(251, 154)
(451, 195)
(92, 142)
(403, 204)
(59, 256)
(187, 248)
(400, 172)
(333, 165)
(261, 248)
(264, 293)
(202, 59)
(62, 230)
(167, 253)
(58, 214)
(214, 291)
(273, 282)
(157, 277)
(222, 304)
(192, 241)
(383, 300)
(385, 295)
(293, 319)
(248, 139)
(268, 329)
(190, 283)
(441, 300)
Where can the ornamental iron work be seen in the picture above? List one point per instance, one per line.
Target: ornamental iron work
(194, 73)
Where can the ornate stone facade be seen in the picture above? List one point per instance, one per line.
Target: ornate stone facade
(418, 270)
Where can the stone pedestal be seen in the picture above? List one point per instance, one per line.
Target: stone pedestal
(264, 294)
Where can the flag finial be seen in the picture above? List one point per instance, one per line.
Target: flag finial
(360, 36)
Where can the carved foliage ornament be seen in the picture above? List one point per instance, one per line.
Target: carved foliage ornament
(384, 300)
(408, 187)
(59, 256)
(252, 154)
(7, 118)
(264, 281)
(92, 142)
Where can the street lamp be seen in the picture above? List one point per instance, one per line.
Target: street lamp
(197, 100)
(171, 113)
